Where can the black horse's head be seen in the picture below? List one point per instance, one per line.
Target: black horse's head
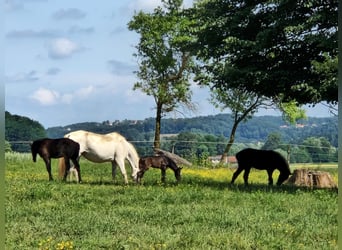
(34, 151)
(283, 177)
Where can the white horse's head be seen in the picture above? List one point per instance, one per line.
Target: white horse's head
(133, 159)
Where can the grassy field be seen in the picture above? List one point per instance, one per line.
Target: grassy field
(202, 212)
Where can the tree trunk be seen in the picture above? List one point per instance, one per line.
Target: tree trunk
(230, 142)
(224, 156)
(156, 144)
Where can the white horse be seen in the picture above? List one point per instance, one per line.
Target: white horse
(111, 147)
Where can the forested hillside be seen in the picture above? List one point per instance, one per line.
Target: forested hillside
(19, 129)
(255, 130)
(311, 140)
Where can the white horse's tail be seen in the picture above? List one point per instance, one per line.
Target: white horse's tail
(133, 159)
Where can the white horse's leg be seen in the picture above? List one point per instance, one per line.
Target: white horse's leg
(73, 174)
(121, 162)
(113, 170)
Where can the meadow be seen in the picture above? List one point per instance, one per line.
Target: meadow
(202, 212)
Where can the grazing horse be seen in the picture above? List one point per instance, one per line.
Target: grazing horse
(264, 160)
(111, 147)
(56, 148)
(158, 161)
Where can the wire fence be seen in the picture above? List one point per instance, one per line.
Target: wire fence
(206, 152)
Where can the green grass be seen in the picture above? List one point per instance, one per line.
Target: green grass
(202, 212)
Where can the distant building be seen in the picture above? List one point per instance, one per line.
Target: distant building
(298, 125)
(228, 160)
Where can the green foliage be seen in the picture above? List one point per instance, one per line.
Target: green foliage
(278, 49)
(7, 147)
(164, 62)
(299, 154)
(273, 141)
(20, 128)
(197, 147)
(320, 149)
(292, 112)
(201, 212)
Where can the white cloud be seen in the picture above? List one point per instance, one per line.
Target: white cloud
(137, 5)
(67, 98)
(30, 33)
(45, 96)
(149, 6)
(53, 71)
(62, 48)
(81, 30)
(121, 68)
(24, 77)
(85, 92)
(14, 5)
(71, 13)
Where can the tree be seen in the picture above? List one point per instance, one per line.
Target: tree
(272, 142)
(299, 155)
(285, 50)
(230, 80)
(164, 61)
(319, 149)
(242, 104)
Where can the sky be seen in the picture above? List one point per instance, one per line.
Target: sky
(72, 61)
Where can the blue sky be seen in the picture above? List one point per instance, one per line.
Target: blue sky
(72, 61)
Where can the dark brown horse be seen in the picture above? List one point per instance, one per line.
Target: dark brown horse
(56, 148)
(264, 160)
(158, 161)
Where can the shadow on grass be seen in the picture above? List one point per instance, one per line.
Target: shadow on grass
(205, 183)
(252, 187)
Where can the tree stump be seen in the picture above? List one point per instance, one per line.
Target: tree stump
(311, 178)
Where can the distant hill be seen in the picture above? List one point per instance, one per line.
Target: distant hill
(22, 129)
(254, 130)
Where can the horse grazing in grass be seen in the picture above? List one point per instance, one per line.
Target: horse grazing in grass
(111, 147)
(264, 160)
(158, 161)
(56, 148)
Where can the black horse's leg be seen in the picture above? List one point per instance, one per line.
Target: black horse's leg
(67, 167)
(245, 175)
(48, 167)
(270, 179)
(177, 175)
(140, 175)
(78, 169)
(163, 174)
(236, 174)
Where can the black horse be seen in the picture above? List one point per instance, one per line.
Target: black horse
(264, 160)
(158, 161)
(56, 148)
